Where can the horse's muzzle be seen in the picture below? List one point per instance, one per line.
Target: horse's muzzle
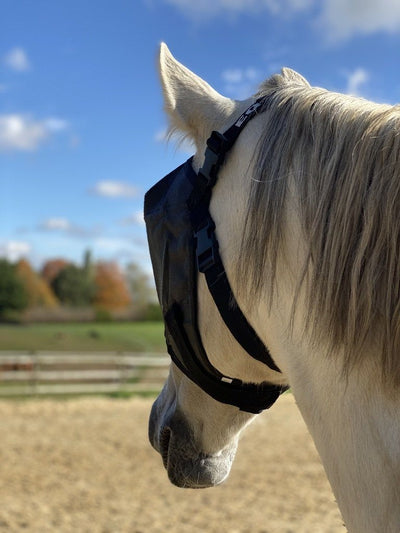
(187, 466)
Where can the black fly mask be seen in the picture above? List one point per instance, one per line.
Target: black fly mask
(182, 242)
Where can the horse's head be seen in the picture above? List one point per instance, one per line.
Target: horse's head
(310, 250)
(195, 434)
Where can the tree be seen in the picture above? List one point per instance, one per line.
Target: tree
(38, 291)
(143, 294)
(111, 288)
(73, 287)
(88, 266)
(52, 268)
(13, 296)
(141, 290)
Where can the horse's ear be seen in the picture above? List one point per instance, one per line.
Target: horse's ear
(294, 77)
(193, 106)
(287, 76)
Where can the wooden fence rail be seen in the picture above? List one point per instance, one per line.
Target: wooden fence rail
(38, 373)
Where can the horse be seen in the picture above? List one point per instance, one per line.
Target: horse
(307, 214)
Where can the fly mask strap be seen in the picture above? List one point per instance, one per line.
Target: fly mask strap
(209, 261)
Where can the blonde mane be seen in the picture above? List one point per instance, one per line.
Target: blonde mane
(343, 156)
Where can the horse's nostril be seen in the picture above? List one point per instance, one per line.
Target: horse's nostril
(165, 437)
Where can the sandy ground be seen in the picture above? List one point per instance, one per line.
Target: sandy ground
(86, 466)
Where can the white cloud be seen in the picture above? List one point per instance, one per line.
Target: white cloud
(109, 245)
(114, 189)
(341, 19)
(24, 133)
(338, 19)
(56, 224)
(14, 250)
(19, 132)
(237, 75)
(205, 9)
(17, 59)
(355, 80)
(161, 135)
(55, 124)
(232, 75)
(240, 83)
(136, 219)
(65, 226)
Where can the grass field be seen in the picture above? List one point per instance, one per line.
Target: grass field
(127, 337)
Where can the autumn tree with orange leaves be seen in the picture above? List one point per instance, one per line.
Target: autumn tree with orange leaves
(37, 290)
(112, 292)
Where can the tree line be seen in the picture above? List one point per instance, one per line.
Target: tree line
(102, 287)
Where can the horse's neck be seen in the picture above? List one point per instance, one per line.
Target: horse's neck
(354, 423)
(356, 429)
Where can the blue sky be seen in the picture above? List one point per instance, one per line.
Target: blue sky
(81, 121)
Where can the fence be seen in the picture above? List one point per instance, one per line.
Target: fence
(42, 373)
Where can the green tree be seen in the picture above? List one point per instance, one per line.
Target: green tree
(143, 293)
(13, 296)
(72, 286)
(140, 287)
(88, 265)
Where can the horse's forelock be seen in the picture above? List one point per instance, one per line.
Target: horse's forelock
(343, 156)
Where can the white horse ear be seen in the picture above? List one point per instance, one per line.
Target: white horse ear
(294, 77)
(193, 106)
(287, 76)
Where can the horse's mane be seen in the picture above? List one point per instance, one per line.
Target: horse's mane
(342, 154)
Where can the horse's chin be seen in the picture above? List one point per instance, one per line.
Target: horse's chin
(197, 476)
(187, 469)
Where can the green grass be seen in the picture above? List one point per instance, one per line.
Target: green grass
(118, 395)
(127, 337)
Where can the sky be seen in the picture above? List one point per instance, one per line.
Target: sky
(82, 130)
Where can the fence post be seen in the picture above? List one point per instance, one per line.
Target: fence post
(35, 373)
